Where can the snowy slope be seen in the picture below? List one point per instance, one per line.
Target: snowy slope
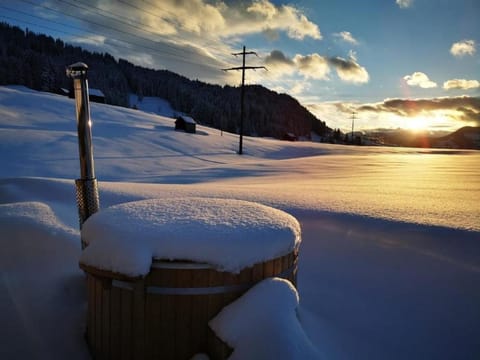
(130, 145)
(152, 105)
(390, 258)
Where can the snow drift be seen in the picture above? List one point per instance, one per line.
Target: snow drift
(390, 255)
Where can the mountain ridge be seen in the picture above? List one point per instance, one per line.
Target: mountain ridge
(38, 61)
(467, 137)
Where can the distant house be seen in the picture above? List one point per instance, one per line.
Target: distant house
(63, 91)
(290, 137)
(96, 95)
(185, 123)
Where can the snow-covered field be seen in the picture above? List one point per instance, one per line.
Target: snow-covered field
(390, 258)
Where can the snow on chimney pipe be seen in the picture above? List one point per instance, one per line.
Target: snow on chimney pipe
(87, 189)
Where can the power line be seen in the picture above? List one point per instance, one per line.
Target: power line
(129, 22)
(137, 7)
(141, 26)
(162, 9)
(39, 25)
(162, 53)
(34, 24)
(91, 8)
(242, 92)
(73, 34)
(155, 6)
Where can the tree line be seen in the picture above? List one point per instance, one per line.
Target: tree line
(38, 61)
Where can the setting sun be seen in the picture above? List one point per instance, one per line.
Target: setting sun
(419, 123)
(431, 121)
(437, 120)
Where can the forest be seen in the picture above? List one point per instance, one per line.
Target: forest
(39, 62)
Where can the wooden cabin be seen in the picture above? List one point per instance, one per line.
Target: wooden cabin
(186, 123)
(289, 137)
(96, 95)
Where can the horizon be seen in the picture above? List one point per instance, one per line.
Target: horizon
(387, 64)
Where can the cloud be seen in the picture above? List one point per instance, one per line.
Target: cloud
(463, 109)
(194, 38)
(215, 20)
(276, 58)
(461, 84)
(317, 67)
(403, 4)
(448, 113)
(278, 64)
(271, 34)
(95, 40)
(304, 28)
(347, 37)
(349, 70)
(312, 66)
(300, 87)
(419, 79)
(262, 14)
(462, 48)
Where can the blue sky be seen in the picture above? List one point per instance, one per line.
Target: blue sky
(395, 63)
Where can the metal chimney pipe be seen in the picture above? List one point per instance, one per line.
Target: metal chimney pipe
(87, 189)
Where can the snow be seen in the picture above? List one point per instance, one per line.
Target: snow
(223, 233)
(151, 104)
(96, 92)
(188, 119)
(389, 262)
(259, 319)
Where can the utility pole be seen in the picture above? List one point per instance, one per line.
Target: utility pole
(242, 92)
(353, 122)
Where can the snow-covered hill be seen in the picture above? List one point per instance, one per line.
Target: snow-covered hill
(467, 137)
(152, 105)
(389, 263)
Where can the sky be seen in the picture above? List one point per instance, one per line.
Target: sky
(390, 64)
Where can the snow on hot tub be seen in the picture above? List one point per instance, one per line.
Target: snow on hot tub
(227, 234)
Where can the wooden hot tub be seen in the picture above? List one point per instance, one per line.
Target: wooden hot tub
(164, 314)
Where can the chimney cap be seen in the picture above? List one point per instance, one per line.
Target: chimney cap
(76, 70)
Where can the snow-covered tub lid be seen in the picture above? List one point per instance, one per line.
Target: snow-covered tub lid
(228, 234)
